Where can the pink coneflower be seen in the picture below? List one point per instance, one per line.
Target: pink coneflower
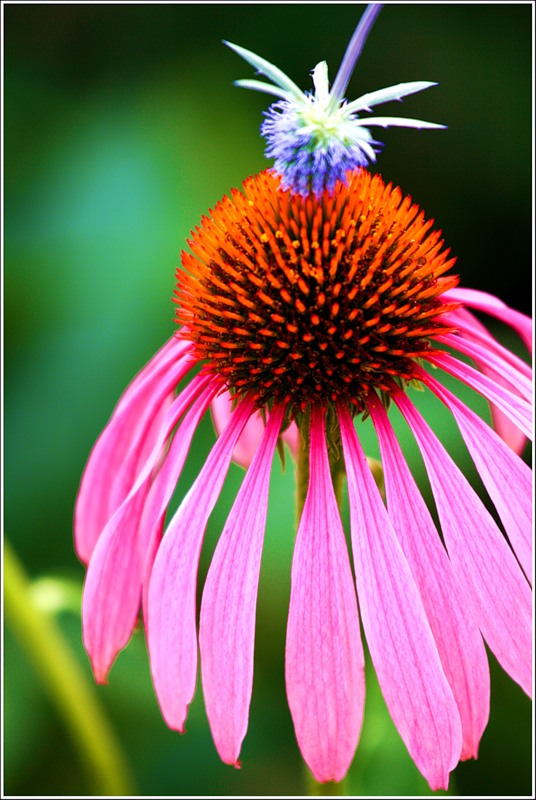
(313, 311)
(307, 311)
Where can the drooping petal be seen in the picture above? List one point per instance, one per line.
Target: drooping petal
(324, 656)
(151, 530)
(498, 596)
(111, 600)
(513, 406)
(148, 441)
(162, 487)
(246, 446)
(109, 472)
(482, 301)
(222, 409)
(152, 401)
(162, 359)
(515, 378)
(506, 477)
(227, 623)
(457, 637)
(470, 327)
(114, 578)
(172, 587)
(291, 437)
(401, 643)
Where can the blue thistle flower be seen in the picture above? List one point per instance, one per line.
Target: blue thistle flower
(317, 137)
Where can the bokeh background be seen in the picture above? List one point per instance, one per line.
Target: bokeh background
(122, 127)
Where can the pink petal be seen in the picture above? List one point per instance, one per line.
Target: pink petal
(149, 439)
(162, 487)
(517, 380)
(324, 657)
(498, 596)
(495, 307)
(291, 437)
(469, 327)
(222, 409)
(457, 637)
(172, 588)
(111, 596)
(152, 403)
(401, 643)
(498, 467)
(515, 408)
(162, 359)
(227, 625)
(114, 578)
(155, 526)
(112, 464)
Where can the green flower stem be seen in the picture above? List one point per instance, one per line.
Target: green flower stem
(65, 682)
(336, 461)
(302, 477)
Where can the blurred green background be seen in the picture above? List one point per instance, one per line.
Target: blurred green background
(122, 127)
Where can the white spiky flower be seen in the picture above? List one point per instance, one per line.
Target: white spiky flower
(316, 138)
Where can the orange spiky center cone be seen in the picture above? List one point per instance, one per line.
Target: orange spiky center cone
(302, 300)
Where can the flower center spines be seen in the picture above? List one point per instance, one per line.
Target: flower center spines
(298, 299)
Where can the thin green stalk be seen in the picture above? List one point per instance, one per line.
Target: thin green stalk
(336, 461)
(302, 477)
(65, 682)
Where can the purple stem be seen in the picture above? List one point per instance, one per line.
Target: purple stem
(353, 51)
